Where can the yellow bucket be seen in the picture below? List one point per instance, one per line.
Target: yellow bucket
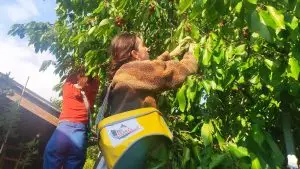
(125, 138)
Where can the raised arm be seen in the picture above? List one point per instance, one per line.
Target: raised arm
(156, 75)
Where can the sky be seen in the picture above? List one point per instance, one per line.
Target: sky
(16, 56)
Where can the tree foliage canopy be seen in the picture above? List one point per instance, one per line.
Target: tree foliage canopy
(229, 114)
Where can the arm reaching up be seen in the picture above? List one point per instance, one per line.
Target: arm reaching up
(156, 75)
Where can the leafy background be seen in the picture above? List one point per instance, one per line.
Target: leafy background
(235, 112)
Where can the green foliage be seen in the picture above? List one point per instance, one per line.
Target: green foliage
(10, 115)
(29, 152)
(227, 115)
(9, 120)
(92, 153)
(56, 102)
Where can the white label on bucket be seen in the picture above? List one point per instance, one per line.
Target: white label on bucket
(123, 130)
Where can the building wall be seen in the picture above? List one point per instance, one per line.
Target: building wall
(35, 120)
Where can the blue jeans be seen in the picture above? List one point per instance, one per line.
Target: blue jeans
(66, 147)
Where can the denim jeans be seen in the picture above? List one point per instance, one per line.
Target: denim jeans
(67, 147)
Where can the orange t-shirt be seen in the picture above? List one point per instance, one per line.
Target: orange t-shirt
(73, 108)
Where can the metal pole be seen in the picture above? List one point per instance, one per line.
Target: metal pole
(289, 142)
(23, 92)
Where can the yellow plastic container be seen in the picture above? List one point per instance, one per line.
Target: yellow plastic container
(125, 138)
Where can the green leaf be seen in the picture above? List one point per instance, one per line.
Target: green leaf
(221, 141)
(100, 8)
(269, 63)
(267, 19)
(213, 84)
(197, 51)
(220, 74)
(294, 68)
(279, 157)
(229, 79)
(254, 79)
(255, 47)
(240, 50)
(81, 39)
(294, 23)
(217, 160)
(196, 9)
(206, 57)
(195, 128)
(157, 13)
(195, 32)
(190, 118)
(238, 7)
(260, 28)
(184, 5)
(255, 164)
(206, 133)
(121, 4)
(182, 117)
(186, 156)
(203, 40)
(91, 70)
(276, 154)
(191, 91)
(297, 9)
(196, 152)
(203, 2)
(257, 135)
(238, 151)
(276, 16)
(220, 57)
(206, 85)
(252, 1)
(104, 22)
(294, 89)
(91, 30)
(181, 98)
(229, 52)
(45, 65)
(219, 6)
(90, 54)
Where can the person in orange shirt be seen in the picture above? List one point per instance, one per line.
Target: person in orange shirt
(67, 145)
